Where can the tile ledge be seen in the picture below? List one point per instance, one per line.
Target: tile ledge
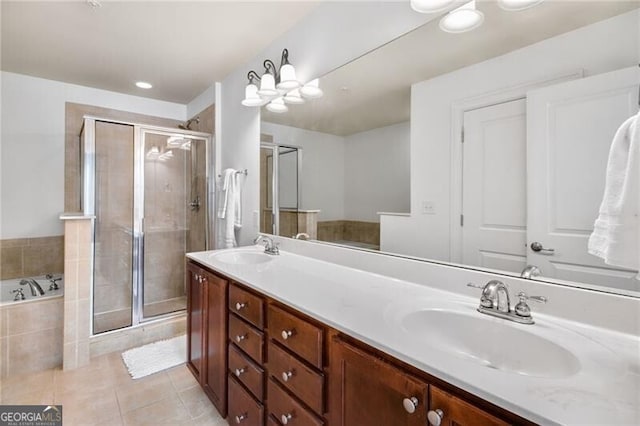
(76, 215)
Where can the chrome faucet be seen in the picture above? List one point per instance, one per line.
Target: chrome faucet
(269, 246)
(495, 302)
(530, 272)
(34, 286)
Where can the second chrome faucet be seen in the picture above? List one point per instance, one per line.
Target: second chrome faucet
(495, 301)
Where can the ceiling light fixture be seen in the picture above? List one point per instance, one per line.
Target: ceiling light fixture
(144, 85)
(463, 19)
(278, 87)
(430, 6)
(94, 3)
(517, 5)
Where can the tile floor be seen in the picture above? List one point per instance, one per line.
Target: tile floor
(103, 393)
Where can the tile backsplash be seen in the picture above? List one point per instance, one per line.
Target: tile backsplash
(28, 257)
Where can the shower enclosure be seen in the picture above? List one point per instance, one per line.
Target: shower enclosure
(148, 188)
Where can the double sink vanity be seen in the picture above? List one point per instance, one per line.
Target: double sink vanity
(294, 338)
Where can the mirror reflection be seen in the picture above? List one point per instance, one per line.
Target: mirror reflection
(487, 148)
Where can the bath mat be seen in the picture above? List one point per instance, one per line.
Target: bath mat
(154, 357)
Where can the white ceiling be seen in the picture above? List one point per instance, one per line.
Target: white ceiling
(375, 89)
(181, 47)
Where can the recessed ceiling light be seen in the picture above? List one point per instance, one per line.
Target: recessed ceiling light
(144, 85)
(463, 19)
(430, 6)
(515, 5)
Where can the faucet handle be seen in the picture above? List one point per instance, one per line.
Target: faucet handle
(522, 309)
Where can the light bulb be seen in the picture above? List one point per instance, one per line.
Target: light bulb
(267, 85)
(463, 19)
(251, 97)
(288, 78)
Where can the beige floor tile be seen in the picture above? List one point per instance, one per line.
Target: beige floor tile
(211, 418)
(145, 391)
(196, 401)
(169, 411)
(18, 386)
(181, 377)
(89, 408)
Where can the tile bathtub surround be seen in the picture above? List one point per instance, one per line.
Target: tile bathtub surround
(349, 230)
(77, 273)
(30, 337)
(28, 257)
(103, 393)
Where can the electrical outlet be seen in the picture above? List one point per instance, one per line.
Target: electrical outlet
(428, 207)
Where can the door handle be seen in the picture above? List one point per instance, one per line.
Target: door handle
(539, 248)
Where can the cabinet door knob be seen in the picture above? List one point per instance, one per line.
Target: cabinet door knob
(287, 375)
(410, 404)
(284, 419)
(239, 371)
(240, 418)
(435, 417)
(287, 333)
(240, 338)
(240, 306)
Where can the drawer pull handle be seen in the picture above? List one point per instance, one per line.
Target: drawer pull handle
(240, 418)
(286, 334)
(287, 375)
(240, 306)
(435, 417)
(284, 419)
(410, 404)
(239, 371)
(240, 338)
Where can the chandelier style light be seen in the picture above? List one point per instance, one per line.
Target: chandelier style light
(278, 87)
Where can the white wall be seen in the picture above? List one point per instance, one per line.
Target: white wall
(376, 176)
(32, 144)
(602, 47)
(333, 34)
(322, 168)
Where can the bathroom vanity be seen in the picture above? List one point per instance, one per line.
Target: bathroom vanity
(291, 339)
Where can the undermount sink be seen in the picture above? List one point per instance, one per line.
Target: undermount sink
(242, 257)
(490, 342)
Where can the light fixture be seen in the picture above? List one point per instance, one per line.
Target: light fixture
(277, 105)
(166, 156)
(153, 153)
(176, 141)
(278, 86)
(311, 90)
(144, 85)
(251, 97)
(293, 97)
(463, 19)
(516, 5)
(287, 73)
(430, 6)
(186, 146)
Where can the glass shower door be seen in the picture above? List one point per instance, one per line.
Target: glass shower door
(174, 217)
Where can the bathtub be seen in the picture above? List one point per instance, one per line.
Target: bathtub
(8, 286)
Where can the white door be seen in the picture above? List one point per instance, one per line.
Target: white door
(570, 128)
(494, 187)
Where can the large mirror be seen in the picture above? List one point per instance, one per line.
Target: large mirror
(487, 149)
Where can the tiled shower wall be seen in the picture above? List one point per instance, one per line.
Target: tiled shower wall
(28, 257)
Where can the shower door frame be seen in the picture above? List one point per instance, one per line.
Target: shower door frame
(275, 180)
(88, 204)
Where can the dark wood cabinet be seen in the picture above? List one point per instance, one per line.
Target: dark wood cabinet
(207, 332)
(367, 391)
(454, 411)
(195, 315)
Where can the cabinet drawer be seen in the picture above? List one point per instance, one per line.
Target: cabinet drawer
(287, 410)
(247, 305)
(243, 409)
(272, 422)
(301, 380)
(296, 334)
(246, 371)
(247, 338)
(458, 412)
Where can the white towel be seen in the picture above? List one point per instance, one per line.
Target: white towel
(616, 232)
(229, 207)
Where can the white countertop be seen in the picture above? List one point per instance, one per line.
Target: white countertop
(369, 307)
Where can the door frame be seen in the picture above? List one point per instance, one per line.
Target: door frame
(458, 109)
(275, 201)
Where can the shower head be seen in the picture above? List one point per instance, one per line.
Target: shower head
(187, 125)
